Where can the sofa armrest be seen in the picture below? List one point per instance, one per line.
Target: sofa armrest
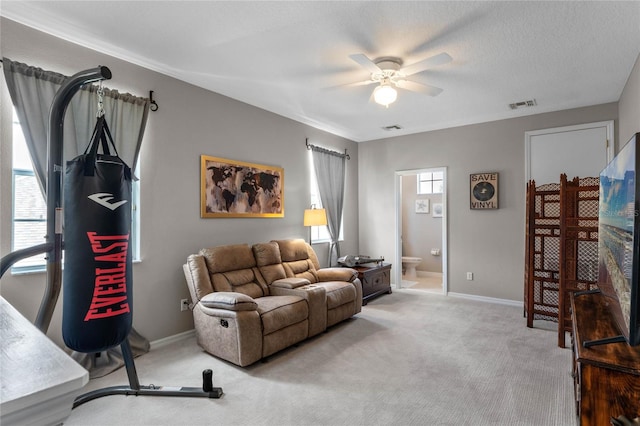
(229, 301)
(290, 282)
(337, 274)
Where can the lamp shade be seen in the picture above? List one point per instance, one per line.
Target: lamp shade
(385, 94)
(315, 217)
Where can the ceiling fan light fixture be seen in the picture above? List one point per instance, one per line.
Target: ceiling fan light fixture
(385, 94)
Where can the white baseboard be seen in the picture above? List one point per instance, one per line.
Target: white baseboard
(172, 339)
(507, 302)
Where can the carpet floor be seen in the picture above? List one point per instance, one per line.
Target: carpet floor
(409, 358)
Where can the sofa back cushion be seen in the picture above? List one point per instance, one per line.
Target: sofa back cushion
(269, 262)
(233, 268)
(296, 260)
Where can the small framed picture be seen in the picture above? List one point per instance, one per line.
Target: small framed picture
(437, 210)
(422, 206)
(484, 191)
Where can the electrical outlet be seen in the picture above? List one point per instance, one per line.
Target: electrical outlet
(184, 304)
(470, 276)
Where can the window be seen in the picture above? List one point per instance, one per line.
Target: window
(30, 208)
(430, 182)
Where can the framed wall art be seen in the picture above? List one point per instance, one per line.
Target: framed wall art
(422, 205)
(484, 191)
(230, 188)
(437, 210)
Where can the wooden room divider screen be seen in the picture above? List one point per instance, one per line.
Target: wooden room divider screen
(542, 266)
(561, 248)
(578, 243)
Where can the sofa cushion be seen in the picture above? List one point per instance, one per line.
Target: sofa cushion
(266, 253)
(269, 263)
(338, 293)
(292, 250)
(245, 281)
(278, 312)
(228, 258)
(229, 301)
(301, 269)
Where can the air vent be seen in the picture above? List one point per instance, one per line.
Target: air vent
(392, 127)
(523, 104)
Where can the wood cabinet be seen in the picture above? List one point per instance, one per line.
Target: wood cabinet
(375, 279)
(606, 376)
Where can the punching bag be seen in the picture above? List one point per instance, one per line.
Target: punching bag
(97, 279)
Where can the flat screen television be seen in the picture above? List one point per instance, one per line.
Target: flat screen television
(619, 239)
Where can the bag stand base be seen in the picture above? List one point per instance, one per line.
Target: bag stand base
(134, 387)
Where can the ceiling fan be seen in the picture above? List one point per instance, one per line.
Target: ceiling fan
(388, 72)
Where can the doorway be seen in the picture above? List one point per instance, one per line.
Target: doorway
(421, 227)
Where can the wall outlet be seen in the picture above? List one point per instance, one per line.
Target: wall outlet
(184, 304)
(470, 276)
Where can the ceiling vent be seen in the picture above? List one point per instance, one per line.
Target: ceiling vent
(523, 104)
(392, 127)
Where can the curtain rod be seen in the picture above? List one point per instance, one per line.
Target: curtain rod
(328, 151)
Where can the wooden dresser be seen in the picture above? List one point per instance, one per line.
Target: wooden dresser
(606, 376)
(375, 279)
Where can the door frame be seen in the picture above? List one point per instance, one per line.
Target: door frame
(398, 237)
(610, 148)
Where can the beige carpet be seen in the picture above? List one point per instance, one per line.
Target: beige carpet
(410, 358)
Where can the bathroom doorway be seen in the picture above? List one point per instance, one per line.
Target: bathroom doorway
(421, 229)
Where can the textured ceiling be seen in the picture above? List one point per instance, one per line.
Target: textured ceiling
(292, 58)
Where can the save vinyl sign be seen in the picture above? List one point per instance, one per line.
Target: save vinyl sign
(484, 191)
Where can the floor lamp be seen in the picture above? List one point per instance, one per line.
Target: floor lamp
(314, 217)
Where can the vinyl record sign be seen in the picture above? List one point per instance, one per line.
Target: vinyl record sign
(484, 191)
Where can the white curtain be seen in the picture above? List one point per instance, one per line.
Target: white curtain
(330, 168)
(32, 91)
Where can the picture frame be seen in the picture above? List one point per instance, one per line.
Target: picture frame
(483, 191)
(238, 189)
(437, 210)
(422, 205)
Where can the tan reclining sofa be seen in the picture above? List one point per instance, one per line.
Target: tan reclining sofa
(252, 301)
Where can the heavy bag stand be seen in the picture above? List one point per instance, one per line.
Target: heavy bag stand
(54, 245)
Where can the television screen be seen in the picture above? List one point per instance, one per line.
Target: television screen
(619, 239)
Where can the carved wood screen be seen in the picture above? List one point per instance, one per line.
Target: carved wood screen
(578, 243)
(542, 266)
(561, 252)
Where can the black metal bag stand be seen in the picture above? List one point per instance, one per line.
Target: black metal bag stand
(134, 387)
(54, 246)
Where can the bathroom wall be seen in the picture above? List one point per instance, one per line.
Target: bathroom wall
(421, 232)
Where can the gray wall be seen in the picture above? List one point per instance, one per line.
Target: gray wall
(190, 122)
(488, 243)
(629, 107)
(420, 232)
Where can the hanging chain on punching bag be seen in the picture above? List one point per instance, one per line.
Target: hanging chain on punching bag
(100, 93)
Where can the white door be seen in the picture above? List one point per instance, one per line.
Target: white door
(581, 151)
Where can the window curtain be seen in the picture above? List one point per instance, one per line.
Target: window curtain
(32, 91)
(330, 168)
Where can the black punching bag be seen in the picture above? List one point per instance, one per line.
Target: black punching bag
(97, 279)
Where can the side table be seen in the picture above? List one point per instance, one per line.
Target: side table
(375, 279)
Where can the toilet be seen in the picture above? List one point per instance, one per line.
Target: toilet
(409, 265)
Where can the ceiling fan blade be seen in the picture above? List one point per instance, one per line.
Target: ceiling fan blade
(419, 87)
(425, 64)
(359, 83)
(365, 62)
